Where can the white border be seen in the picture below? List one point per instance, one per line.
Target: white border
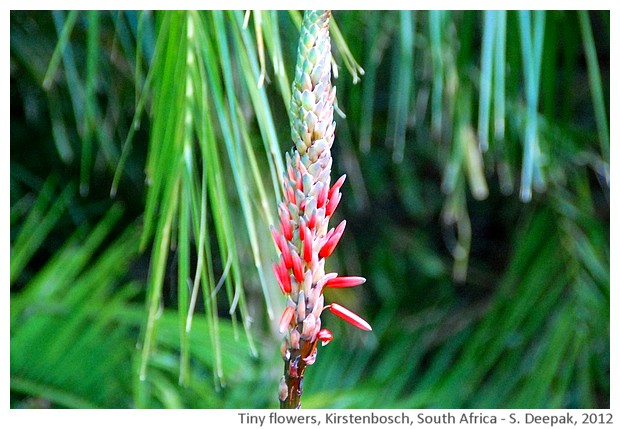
(229, 418)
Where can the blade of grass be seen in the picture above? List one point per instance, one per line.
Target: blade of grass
(499, 87)
(59, 128)
(234, 152)
(405, 83)
(539, 42)
(164, 170)
(531, 51)
(435, 28)
(596, 87)
(486, 77)
(37, 226)
(225, 235)
(155, 284)
(90, 100)
(57, 396)
(247, 60)
(377, 42)
(260, 44)
(271, 31)
(341, 45)
(549, 69)
(63, 40)
(183, 248)
(72, 257)
(74, 83)
(142, 91)
(168, 124)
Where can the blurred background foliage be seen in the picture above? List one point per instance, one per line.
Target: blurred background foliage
(146, 152)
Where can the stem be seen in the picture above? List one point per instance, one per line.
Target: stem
(294, 368)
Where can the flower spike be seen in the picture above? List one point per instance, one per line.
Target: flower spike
(303, 238)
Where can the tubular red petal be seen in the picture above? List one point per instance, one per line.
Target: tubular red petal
(302, 229)
(308, 245)
(276, 272)
(336, 186)
(339, 229)
(285, 221)
(286, 256)
(312, 221)
(286, 278)
(349, 316)
(283, 247)
(300, 183)
(284, 281)
(291, 172)
(329, 234)
(298, 270)
(290, 194)
(277, 238)
(332, 241)
(285, 320)
(339, 282)
(330, 208)
(325, 336)
(322, 197)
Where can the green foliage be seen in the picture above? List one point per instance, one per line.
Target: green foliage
(476, 146)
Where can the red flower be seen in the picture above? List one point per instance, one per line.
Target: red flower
(325, 336)
(332, 204)
(307, 244)
(350, 317)
(285, 221)
(285, 320)
(339, 282)
(336, 187)
(298, 269)
(322, 197)
(284, 280)
(312, 221)
(332, 240)
(283, 247)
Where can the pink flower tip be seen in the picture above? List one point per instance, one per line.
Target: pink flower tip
(282, 245)
(284, 281)
(325, 336)
(350, 317)
(285, 320)
(307, 244)
(332, 240)
(298, 270)
(285, 221)
(339, 282)
(332, 203)
(336, 186)
(277, 238)
(322, 197)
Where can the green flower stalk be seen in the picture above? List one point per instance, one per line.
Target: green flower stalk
(304, 239)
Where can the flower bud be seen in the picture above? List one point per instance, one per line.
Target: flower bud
(308, 328)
